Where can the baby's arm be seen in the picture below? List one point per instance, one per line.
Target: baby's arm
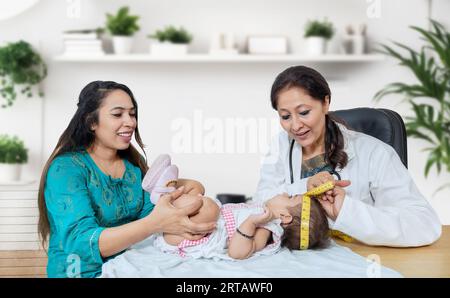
(242, 247)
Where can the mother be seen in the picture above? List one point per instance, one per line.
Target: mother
(382, 206)
(90, 198)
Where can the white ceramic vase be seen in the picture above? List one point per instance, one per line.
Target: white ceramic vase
(316, 46)
(122, 44)
(9, 172)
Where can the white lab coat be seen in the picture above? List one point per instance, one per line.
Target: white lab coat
(382, 205)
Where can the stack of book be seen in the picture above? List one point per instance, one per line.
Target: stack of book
(82, 42)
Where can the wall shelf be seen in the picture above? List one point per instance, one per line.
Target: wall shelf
(206, 58)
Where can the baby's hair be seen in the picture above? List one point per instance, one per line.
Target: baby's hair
(319, 234)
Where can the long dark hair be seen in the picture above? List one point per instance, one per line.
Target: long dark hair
(317, 87)
(78, 136)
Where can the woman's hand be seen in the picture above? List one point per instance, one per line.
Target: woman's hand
(319, 179)
(333, 208)
(172, 220)
(323, 177)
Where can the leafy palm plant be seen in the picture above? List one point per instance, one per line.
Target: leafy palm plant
(430, 96)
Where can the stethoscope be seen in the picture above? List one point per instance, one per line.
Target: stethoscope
(332, 172)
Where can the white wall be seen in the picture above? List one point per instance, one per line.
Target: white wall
(168, 92)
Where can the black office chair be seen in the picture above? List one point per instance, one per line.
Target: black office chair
(383, 124)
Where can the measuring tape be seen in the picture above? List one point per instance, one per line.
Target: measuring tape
(304, 225)
(320, 189)
(339, 234)
(306, 215)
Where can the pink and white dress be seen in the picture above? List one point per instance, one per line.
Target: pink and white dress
(215, 244)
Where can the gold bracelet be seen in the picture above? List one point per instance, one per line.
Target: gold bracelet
(245, 235)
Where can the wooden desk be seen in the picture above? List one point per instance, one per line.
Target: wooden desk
(426, 261)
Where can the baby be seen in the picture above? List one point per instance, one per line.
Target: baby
(243, 230)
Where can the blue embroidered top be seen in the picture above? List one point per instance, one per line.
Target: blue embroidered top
(315, 165)
(81, 202)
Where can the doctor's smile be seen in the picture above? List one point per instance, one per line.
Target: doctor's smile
(302, 117)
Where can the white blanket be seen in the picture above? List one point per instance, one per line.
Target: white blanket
(144, 260)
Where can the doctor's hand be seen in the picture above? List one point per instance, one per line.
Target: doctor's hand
(318, 179)
(333, 208)
(323, 177)
(173, 220)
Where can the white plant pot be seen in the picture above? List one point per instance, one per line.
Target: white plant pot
(168, 49)
(316, 46)
(122, 44)
(9, 172)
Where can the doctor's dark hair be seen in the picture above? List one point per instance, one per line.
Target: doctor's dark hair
(317, 87)
(78, 136)
(319, 232)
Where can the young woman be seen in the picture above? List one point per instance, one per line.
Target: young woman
(382, 206)
(91, 202)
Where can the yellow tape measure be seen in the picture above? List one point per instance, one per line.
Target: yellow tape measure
(306, 211)
(340, 235)
(320, 189)
(304, 225)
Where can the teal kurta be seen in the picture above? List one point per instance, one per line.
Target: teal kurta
(81, 202)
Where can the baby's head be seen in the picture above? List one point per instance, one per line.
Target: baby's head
(208, 212)
(319, 232)
(289, 210)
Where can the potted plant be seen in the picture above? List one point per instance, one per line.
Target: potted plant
(429, 97)
(170, 41)
(317, 34)
(122, 27)
(12, 154)
(20, 66)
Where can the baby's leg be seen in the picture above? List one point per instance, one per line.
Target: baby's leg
(192, 187)
(208, 212)
(174, 240)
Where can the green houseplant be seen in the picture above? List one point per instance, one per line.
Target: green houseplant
(429, 97)
(173, 35)
(12, 154)
(21, 67)
(317, 34)
(122, 27)
(170, 41)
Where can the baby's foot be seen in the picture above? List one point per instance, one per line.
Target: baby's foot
(155, 171)
(165, 184)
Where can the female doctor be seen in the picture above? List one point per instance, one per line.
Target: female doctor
(376, 201)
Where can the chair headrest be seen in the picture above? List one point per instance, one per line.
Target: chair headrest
(383, 124)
